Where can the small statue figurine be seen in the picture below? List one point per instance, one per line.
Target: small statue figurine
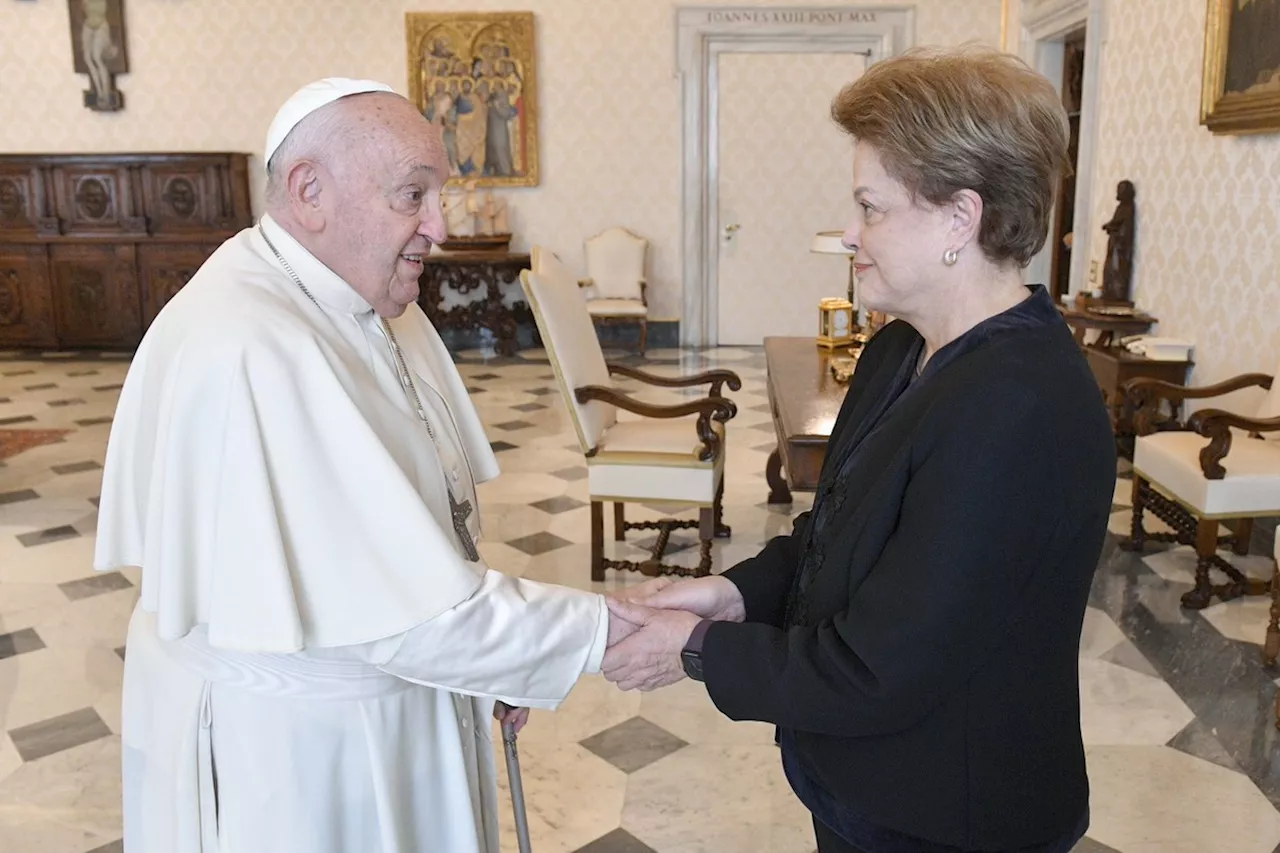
(1117, 270)
(457, 221)
(493, 216)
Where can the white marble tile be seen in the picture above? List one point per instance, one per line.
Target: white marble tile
(1123, 493)
(572, 797)
(685, 710)
(1158, 800)
(50, 682)
(68, 801)
(97, 622)
(1099, 634)
(10, 760)
(1243, 619)
(1121, 706)
(712, 798)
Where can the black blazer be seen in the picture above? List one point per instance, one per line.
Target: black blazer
(926, 667)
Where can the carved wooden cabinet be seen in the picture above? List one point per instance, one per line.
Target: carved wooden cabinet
(93, 245)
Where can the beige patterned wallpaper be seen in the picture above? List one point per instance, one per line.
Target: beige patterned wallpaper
(209, 74)
(1207, 259)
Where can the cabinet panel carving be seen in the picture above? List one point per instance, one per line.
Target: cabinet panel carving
(26, 316)
(93, 245)
(95, 296)
(164, 270)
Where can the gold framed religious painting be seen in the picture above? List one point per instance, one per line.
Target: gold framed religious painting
(473, 75)
(1241, 85)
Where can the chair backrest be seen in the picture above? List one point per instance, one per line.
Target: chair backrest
(615, 264)
(560, 310)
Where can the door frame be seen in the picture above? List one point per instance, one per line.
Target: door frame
(702, 34)
(1044, 25)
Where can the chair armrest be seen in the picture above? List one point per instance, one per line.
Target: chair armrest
(644, 292)
(716, 378)
(1145, 395)
(706, 408)
(586, 282)
(1215, 425)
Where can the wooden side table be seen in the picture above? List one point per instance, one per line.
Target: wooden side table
(1114, 366)
(491, 276)
(804, 400)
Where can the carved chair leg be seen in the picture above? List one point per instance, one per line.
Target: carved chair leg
(1271, 650)
(597, 541)
(1243, 530)
(706, 533)
(723, 531)
(1137, 536)
(619, 523)
(644, 335)
(1206, 549)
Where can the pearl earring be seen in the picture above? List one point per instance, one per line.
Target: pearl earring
(950, 256)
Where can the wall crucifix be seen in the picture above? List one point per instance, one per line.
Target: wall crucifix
(97, 43)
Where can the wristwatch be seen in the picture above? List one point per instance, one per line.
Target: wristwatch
(691, 654)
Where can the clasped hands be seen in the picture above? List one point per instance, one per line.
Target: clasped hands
(649, 625)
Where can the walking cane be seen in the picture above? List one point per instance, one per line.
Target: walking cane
(517, 787)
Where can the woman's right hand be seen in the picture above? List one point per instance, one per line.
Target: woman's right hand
(712, 597)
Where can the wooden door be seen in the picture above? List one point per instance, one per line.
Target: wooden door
(95, 295)
(26, 311)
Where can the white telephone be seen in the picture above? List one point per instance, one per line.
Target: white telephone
(1157, 348)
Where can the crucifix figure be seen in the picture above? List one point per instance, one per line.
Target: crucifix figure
(97, 33)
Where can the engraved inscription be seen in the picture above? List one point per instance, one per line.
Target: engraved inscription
(10, 298)
(93, 197)
(180, 195)
(12, 202)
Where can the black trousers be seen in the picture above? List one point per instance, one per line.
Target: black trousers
(829, 842)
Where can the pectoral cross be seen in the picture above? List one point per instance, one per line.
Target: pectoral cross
(459, 512)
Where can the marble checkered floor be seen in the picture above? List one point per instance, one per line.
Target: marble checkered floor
(1176, 706)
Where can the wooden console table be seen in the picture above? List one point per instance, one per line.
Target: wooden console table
(491, 274)
(804, 400)
(1114, 366)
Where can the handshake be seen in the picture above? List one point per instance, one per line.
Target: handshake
(650, 624)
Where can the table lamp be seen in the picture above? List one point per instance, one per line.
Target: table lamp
(832, 243)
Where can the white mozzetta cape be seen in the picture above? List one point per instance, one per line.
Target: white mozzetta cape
(264, 478)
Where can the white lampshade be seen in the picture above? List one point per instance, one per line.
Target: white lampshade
(829, 243)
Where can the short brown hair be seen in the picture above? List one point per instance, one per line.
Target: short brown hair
(966, 118)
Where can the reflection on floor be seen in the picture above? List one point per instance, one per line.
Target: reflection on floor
(1176, 705)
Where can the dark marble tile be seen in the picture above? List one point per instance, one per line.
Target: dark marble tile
(1196, 739)
(572, 474)
(120, 652)
(44, 537)
(499, 446)
(76, 467)
(19, 419)
(5, 400)
(541, 392)
(529, 407)
(485, 377)
(538, 543)
(95, 501)
(474, 390)
(113, 847)
(60, 733)
(26, 371)
(73, 401)
(634, 744)
(93, 421)
(20, 642)
(15, 497)
(559, 504)
(82, 372)
(94, 585)
(43, 386)
(116, 387)
(618, 841)
(513, 425)
(115, 356)
(1127, 655)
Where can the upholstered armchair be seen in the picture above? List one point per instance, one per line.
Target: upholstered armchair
(1219, 469)
(671, 455)
(615, 284)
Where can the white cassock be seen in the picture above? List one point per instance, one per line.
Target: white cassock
(312, 665)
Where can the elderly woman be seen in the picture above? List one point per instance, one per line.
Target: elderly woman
(915, 638)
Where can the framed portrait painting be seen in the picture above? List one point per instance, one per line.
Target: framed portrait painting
(1241, 85)
(473, 75)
